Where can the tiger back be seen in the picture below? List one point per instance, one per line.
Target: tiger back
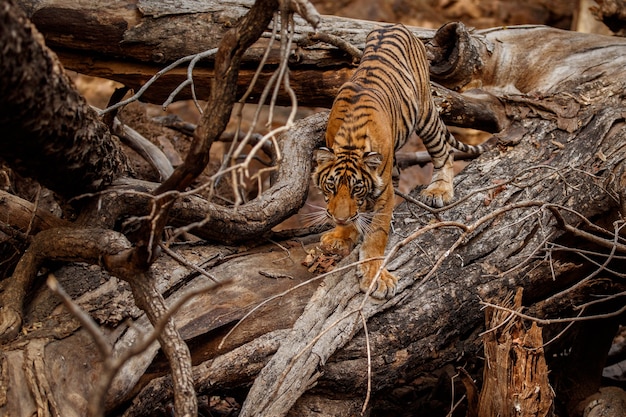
(386, 99)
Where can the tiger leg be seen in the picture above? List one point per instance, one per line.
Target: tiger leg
(373, 246)
(441, 188)
(340, 240)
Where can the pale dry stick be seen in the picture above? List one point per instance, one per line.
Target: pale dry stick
(84, 319)
(188, 227)
(559, 334)
(155, 77)
(282, 74)
(518, 221)
(456, 405)
(242, 169)
(601, 300)
(583, 254)
(245, 165)
(554, 321)
(453, 405)
(550, 262)
(558, 172)
(180, 259)
(530, 256)
(242, 101)
(608, 192)
(287, 126)
(286, 32)
(286, 250)
(236, 150)
(369, 364)
(501, 324)
(609, 258)
(189, 81)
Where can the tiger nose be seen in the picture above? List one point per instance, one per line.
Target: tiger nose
(341, 220)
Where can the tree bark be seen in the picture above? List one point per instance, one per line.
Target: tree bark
(540, 211)
(38, 122)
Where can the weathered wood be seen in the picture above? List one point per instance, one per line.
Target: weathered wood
(26, 217)
(515, 379)
(419, 334)
(437, 316)
(141, 33)
(134, 40)
(38, 123)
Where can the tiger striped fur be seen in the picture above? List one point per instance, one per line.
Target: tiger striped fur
(387, 98)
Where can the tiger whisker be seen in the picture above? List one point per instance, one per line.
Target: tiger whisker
(315, 218)
(364, 223)
(315, 206)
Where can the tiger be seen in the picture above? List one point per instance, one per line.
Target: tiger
(386, 99)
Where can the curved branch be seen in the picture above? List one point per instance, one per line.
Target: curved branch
(286, 195)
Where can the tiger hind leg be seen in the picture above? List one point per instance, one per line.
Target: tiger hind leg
(441, 189)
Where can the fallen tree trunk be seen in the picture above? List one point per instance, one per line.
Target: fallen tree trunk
(500, 236)
(541, 211)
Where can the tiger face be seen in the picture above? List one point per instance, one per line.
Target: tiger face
(350, 183)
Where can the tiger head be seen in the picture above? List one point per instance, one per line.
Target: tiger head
(350, 182)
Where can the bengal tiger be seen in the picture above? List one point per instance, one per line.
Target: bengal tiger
(386, 99)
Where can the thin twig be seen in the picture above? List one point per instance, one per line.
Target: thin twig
(181, 260)
(369, 363)
(554, 321)
(155, 77)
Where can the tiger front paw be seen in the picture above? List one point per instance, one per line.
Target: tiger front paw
(385, 285)
(438, 194)
(336, 243)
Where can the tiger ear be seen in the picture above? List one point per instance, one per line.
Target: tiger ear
(372, 160)
(324, 155)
